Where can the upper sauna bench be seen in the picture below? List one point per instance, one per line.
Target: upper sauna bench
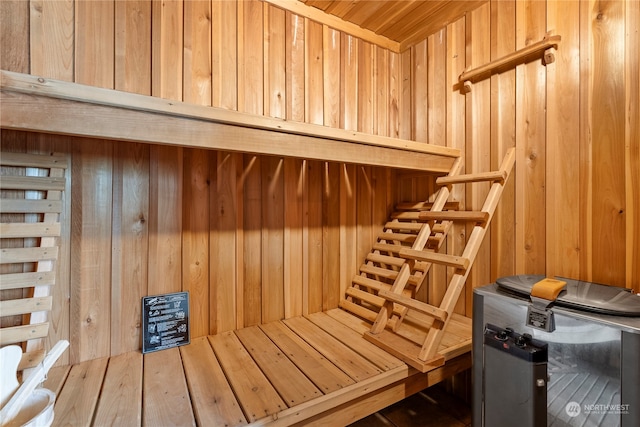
(38, 104)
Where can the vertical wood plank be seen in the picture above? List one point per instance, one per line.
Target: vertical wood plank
(165, 219)
(314, 95)
(91, 231)
(130, 244)
(530, 142)
(632, 155)
(456, 63)
(95, 43)
(15, 34)
(133, 46)
(564, 199)
(312, 238)
(167, 49)
(225, 241)
(608, 141)
(331, 236)
(195, 238)
(295, 69)
(503, 113)
(331, 76)
(294, 178)
(275, 92)
(250, 289)
(272, 239)
(51, 33)
(349, 79)
(366, 91)
(250, 57)
(197, 52)
(478, 141)
(224, 56)
(419, 93)
(395, 112)
(436, 134)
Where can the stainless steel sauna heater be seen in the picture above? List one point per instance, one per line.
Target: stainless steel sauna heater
(573, 361)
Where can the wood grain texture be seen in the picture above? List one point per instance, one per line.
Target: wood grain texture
(91, 231)
(132, 46)
(608, 112)
(51, 39)
(94, 43)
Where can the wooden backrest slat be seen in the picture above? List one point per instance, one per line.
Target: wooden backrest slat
(29, 160)
(32, 183)
(29, 229)
(30, 206)
(27, 280)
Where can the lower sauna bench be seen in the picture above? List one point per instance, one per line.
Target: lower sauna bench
(314, 370)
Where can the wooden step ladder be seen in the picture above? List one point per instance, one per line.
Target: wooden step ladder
(385, 290)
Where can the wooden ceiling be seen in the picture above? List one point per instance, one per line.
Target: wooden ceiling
(403, 21)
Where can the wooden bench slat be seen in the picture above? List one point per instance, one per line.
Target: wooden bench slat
(348, 360)
(294, 387)
(29, 229)
(166, 397)
(27, 280)
(354, 341)
(385, 259)
(255, 393)
(120, 401)
(213, 401)
(33, 206)
(76, 402)
(324, 374)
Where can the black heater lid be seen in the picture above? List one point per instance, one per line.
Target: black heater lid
(585, 296)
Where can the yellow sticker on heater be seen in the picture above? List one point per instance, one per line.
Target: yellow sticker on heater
(548, 289)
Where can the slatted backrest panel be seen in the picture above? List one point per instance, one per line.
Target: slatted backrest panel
(31, 187)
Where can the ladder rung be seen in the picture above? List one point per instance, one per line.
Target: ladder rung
(385, 259)
(408, 226)
(425, 206)
(365, 296)
(388, 247)
(413, 226)
(370, 283)
(414, 304)
(499, 175)
(400, 237)
(471, 216)
(387, 274)
(444, 259)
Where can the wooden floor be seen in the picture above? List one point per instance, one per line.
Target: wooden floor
(305, 370)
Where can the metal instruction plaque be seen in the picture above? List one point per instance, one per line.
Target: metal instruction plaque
(165, 321)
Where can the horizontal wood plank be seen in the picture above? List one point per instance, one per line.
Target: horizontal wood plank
(29, 229)
(33, 160)
(34, 183)
(36, 254)
(25, 305)
(27, 280)
(16, 334)
(30, 206)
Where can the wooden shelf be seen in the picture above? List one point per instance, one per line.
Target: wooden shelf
(533, 51)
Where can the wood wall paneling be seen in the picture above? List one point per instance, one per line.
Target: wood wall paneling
(255, 238)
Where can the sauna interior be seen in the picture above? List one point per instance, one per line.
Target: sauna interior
(252, 153)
